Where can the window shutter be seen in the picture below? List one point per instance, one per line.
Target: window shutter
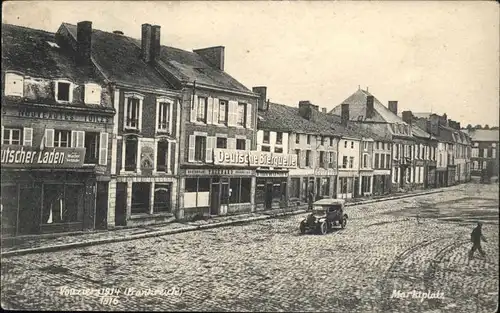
(210, 149)
(27, 136)
(210, 108)
(80, 139)
(49, 138)
(14, 85)
(170, 117)
(248, 144)
(103, 149)
(231, 143)
(2, 135)
(302, 159)
(193, 106)
(249, 115)
(232, 113)
(215, 111)
(192, 142)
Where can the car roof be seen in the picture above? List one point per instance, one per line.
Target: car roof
(329, 202)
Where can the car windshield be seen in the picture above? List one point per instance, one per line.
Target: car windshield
(319, 210)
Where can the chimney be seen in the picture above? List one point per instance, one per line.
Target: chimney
(393, 107)
(213, 55)
(434, 121)
(262, 92)
(84, 42)
(155, 42)
(459, 127)
(344, 115)
(146, 42)
(316, 107)
(407, 117)
(323, 110)
(370, 111)
(117, 32)
(305, 109)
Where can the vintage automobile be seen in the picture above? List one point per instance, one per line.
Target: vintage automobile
(326, 214)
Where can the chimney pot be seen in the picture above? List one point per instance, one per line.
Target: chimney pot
(305, 109)
(407, 117)
(393, 107)
(146, 42)
(84, 42)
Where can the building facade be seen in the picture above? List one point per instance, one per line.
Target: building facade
(484, 154)
(57, 114)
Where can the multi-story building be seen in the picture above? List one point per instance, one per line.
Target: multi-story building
(484, 153)
(145, 133)
(57, 114)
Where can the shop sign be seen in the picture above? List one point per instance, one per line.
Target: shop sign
(48, 114)
(324, 172)
(31, 157)
(254, 158)
(218, 172)
(272, 174)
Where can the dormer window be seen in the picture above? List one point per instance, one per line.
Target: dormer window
(63, 91)
(14, 85)
(92, 94)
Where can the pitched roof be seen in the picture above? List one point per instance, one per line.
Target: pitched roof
(120, 57)
(484, 135)
(285, 118)
(419, 132)
(422, 114)
(34, 53)
(357, 109)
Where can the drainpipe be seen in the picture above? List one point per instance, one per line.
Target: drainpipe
(338, 179)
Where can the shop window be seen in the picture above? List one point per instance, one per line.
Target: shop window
(265, 148)
(343, 184)
(201, 112)
(344, 162)
(221, 143)
(279, 138)
(308, 158)
(140, 198)
(162, 156)
(242, 114)
(278, 150)
(200, 148)
(91, 148)
(62, 138)
(277, 190)
(351, 162)
(12, 136)
(223, 110)
(260, 190)
(295, 188)
(131, 145)
(9, 209)
(240, 144)
(62, 203)
(162, 198)
(240, 190)
(63, 91)
(265, 138)
(191, 185)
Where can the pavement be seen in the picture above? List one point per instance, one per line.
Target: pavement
(383, 261)
(55, 242)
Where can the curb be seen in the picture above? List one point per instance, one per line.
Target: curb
(187, 228)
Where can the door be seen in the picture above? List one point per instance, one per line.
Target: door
(224, 197)
(29, 209)
(356, 187)
(215, 199)
(121, 204)
(101, 206)
(9, 210)
(269, 195)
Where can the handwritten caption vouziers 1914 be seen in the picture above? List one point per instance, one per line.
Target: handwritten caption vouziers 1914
(111, 296)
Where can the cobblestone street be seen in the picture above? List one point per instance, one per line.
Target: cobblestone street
(418, 243)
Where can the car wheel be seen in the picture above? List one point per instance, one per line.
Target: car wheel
(323, 228)
(302, 228)
(343, 223)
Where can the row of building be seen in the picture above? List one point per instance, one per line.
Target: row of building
(101, 130)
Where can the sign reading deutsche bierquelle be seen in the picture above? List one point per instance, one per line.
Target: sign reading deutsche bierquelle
(254, 158)
(32, 157)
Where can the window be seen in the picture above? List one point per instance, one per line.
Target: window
(132, 113)
(14, 85)
(297, 152)
(333, 161)
(485, 152)
(325, 186)
(221, 143)
(266, 148)
(377, 160)
(475, 152)
(332, 141)
(163, 116)
(242, 114)
(62, 138)
(201, 112)
(295, 188)
(484, 165)
(92, 94)
(344, 162)
(351, 162)
(200, 148)
(308, 158)
(91, 148)
(266, 137)
(240, 144)
(365, 146)
(131, 146)
(322, 159)
(278, 150)
(297, 138)
(345, 144)
(162, 198)
(323, 140)
(63, 91)
(365, 161)
(366, 184)
(387, 161)
(352, 144)
(140, 198)
(493, 153)
(11, 136)
(62, 203)
(240, 190)
(223, 107)
(308, 139)
(162, 156)
(279, 138)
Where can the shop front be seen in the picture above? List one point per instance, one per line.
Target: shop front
(46, 191)
(348, 184)
(301, 182)
(326, 183)
(431, 175)
(451, 173)
(381, 182)
(271, 190)
(441, 177)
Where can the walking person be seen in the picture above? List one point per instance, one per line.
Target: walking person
(310, 199)
(476, 237)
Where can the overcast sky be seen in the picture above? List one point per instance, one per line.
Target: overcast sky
(439, 56)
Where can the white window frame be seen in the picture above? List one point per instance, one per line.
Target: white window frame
(10, 129)
(170, 103)
(56, 90)
(58, 139)
(9, 77)
(169, 154)
(138, 155)
(87, 92)
(132, 95)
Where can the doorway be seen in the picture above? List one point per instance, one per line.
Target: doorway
(121, 204)
(29, 209)
(215, 199)
(356, 187)
(101, 206)
(269, 195)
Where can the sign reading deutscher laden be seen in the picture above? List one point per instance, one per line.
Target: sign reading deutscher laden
(254, 158)
(31, 157)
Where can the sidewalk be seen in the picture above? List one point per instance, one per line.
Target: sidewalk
(54, 242)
